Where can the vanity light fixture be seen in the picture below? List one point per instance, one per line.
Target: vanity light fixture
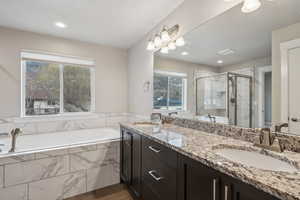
(157, 41)
(220, 61)
(151, 46)
(172, 46)
(60, 24)
(166, 40)
(164, 50)
(180, 42)
(165, 37)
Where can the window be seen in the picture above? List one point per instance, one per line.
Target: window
(56, 85)
(169, 91)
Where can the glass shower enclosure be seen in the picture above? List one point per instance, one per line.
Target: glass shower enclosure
(227, 97)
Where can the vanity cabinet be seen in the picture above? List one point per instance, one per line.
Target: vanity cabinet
(130, 168)
(155, 172)
(197, 181)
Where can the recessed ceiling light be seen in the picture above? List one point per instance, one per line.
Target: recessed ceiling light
(60, 24)
(184, 53)
(220, 61)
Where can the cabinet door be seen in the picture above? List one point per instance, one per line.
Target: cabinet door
(136, 164)
(243, 191)
(126, 157)
(196, 181)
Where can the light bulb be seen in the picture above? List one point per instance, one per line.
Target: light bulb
(180, 42)
(172, 46)
(250, 5)
(165, 37)
(150, 46)
(157, 41)
(164, 50)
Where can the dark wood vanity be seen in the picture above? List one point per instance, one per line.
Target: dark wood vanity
(153, 171)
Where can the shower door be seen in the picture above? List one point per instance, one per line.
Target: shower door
(211, 97)
(239, 100)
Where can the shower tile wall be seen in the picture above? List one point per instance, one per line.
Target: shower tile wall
(60, 175)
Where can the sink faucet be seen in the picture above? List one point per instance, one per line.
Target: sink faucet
(267, 140)
(278, 127)
(211, 118)
(14, 133)
(172, 113)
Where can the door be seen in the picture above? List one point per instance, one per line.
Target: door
(294, 94)
(196, 181)
(238, 190)
(131, 161)
(126, 157)
(136, 165)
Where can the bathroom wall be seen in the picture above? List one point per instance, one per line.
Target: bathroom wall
(172, 65)
(190, 14)
(278, 36)
(258, 62)
(111, 68)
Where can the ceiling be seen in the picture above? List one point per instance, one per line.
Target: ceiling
(248, 35)
(118, 23)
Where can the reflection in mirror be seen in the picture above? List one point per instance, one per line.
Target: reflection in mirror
(229, 71)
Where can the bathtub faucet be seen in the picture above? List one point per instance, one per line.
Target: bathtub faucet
(14, 133)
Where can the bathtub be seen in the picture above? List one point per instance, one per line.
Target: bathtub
(57, 140)
(59, 165)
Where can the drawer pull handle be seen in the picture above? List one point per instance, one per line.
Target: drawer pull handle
(152, 174)
(226, 192)
(214, 188)
(154, 149)
(295, 119)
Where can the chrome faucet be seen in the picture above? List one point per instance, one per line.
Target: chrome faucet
(172, 113)
(14, 133)
(278, 127)
(211, 118)
(267, 140)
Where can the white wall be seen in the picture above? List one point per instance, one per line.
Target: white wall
(278, 36)
(258, 62)
(172, 65)
(189, 15)
(111, 68)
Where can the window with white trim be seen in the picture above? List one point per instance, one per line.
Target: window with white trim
(169, 91)
(55, 85)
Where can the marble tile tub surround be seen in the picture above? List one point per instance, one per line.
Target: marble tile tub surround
(201, 146)
(59, 174)
(288, 142)
(38, 125)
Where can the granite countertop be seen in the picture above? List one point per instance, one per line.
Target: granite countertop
(202, 146)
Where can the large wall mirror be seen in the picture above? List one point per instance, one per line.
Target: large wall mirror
(241, 69)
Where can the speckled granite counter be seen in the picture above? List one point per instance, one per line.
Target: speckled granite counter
(201, 146)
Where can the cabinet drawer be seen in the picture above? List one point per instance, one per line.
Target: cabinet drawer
(148, 194)
(160, 178)
(153, 150)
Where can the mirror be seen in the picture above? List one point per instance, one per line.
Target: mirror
(231, 69)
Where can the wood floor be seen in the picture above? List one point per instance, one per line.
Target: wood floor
(118, 192)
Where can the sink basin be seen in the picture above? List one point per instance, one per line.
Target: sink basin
(256, 159)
